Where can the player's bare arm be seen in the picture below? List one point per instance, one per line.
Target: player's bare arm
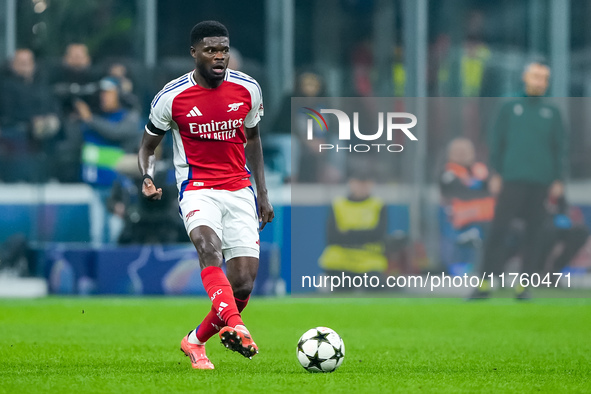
(254, 156)
(147, 163)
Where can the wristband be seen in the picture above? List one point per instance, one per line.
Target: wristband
(147, 176)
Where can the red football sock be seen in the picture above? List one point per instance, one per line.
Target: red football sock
(209, 326)
(241, 304)
(212, 324)
(220, 293)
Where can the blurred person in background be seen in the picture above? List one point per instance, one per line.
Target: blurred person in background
(472, 59)
(463, 67)
(29, 122)
(307, 84)
(119, 72)
(398, 72)
(467, 201)
(107, 135)
(564, 230)
(562, 236)
(356, 230)
(464, 185)
(312, 166)
(362, 63)
(564, 233)
(73, 79)
(527, 154)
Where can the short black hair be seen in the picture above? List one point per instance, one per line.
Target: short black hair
(208, 29)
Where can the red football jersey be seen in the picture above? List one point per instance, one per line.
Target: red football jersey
(208, 129)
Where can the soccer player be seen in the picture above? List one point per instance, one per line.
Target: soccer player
(213, 113)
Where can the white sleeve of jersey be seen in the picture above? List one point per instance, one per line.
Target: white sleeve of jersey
(254, 115)
(161, 111)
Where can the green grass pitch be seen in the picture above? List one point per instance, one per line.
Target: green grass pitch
(131, 345)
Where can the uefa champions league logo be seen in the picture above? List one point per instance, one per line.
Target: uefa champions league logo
(392, 125)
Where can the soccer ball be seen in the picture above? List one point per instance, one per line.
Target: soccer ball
(321, 349)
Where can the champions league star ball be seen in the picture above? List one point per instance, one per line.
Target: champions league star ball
(321, 349)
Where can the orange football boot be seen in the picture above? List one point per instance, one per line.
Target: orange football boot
(238, 339)
(197, 354)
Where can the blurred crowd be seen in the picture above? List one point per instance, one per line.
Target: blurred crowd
(50, 115)
(75, 122)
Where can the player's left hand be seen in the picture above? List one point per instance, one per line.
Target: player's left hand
(266, 213)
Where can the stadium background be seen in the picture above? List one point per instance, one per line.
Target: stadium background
(439, 48)
(465, 49)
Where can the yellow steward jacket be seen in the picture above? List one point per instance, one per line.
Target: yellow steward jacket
(355, 236)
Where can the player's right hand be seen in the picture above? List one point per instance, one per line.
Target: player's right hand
(149, 190)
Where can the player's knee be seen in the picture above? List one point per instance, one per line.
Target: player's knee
(243, 292)
(243, 288)
(209, 255)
